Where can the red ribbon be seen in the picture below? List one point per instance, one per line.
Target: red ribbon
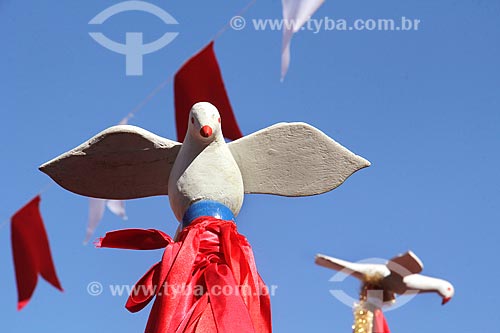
(206, 282)
(200, 80)
(379, 322)
(31, 252)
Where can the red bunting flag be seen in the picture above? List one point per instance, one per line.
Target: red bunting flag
(31, 251)
(200, 80)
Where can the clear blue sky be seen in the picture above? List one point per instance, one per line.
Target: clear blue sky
(422, 106)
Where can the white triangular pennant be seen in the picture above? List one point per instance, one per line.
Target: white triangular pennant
(295, 14)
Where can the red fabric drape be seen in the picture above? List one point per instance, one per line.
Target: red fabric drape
(200, 80)
(31, 251)
(135, 239)
(379, 323)
(206, 282)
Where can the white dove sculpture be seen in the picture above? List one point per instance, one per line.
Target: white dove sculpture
(126, 162)
(400, 275)
(205, 179)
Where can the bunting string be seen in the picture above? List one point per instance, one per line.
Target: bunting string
(30, 245)
(228, 24)
(163, 84)
(151, 95)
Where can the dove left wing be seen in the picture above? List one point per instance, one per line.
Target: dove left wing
(121, 162)
(293, 159)
(340, 265)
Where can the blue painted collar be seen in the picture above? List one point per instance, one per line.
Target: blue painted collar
(207, 208)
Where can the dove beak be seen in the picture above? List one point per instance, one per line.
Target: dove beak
(206, 131)
(445, 300)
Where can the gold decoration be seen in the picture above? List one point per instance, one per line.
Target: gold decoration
(374, 282)
(363, 319)
(364, 311)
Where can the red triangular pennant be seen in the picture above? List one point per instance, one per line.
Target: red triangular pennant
(200, 80)
(31, 251)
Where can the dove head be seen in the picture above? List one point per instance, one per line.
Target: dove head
(204, 123)
(446, 291)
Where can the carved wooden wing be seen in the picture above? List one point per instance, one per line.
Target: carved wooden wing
(405, 264)
(348, 268)
(121, 162)
(293, 159)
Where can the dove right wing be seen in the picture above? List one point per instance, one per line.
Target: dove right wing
(405, 264)
(293, 159)
(121, 162)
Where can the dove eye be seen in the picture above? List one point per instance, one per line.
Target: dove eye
(218, 120)
(449, 289)
(192, 120)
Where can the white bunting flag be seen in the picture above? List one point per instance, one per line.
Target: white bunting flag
(96, 212)
(295, 15)
(117, 207)
(97, 206)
